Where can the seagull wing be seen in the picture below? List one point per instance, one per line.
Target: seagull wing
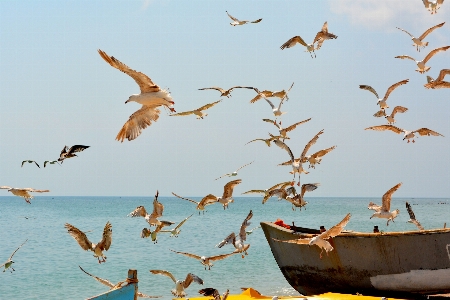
(296, 241)
(5, 187)
(165, 273)
(228, 188)
(231, 17)
(336, 229)
(36, 191)
(374, 206)
(273, 122)
(158, 209)
(368, 88)
(101, 280)
(63, 152)
(105, 243)
(394, 86)
(209, 292)
(386, 204)
(220, 257)
(77, 148)
(187, 254)
(380, 113)
(442, 74)
(386, 127)
(325, 27)
(293, 41)
(433, 52)
(208, 199)
(190, 278)
(245, 224)
(405, 57)
(256, 21)
(184, 113)
(244, 166)
(14, 252)
(282, 145)
(309, 187)
(138, 121)
(428, 132)
(230, 239)
(310, 143)
(410, 211)
(405, 31)
(323, 152)
(228, 174)
(429, 30)
(287, 163)
(208, 105)
(79, 236)
(182, 222)
(193, 201)
(270, 103)
(398, 109)
(254, 192)
(221, 90)
(138, 212)
(145, 83)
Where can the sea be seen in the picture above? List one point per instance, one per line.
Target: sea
(47, 266)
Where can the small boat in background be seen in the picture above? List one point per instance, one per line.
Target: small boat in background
(126, 292)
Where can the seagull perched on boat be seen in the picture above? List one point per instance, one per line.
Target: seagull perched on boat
(418, 42)
(207, 200)
(67, 152)
(297, 163)
(266, 192)
(213, 292)
(321, 239)
(421, 67)
(412, 217)
(176, 231)
(439, 82)
(238, 243)
(52, 162)
(323, 35)
(86, 244)
(151, 219)
(284, 131)
(433, 5)
(8, 263)
(198, 112)
(30, 161)
(23, 192)
(235, 172)
(316, 158)
(297, 200)
(390, 118)
(225, 93)
(237, 22)
(205, 260)
(382, 101)
(298, 39)
(383, 211)
(180, 285)
(267, 141)
(115, 286)
(151, 97)
(146, 232)
(407, 134)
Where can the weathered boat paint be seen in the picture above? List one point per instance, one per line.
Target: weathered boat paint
(386, 264)
(127, 292)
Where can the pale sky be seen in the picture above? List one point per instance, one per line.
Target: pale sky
(56, 90)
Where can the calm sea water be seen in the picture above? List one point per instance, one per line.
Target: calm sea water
(47, 265)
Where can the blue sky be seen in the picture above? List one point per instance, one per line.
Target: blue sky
(56, 90)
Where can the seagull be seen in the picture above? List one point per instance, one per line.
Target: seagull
(228, 193)
(235, 172)
(284, 131)
(117, 285)
(297, 39)
(198, 112)
(267, 141)
(237, 22)
(390, 118)
(154, 234)
(316, 158)
(238, 243)
(439, 83)
(225, 93)
(323, 35)
(23, 192)
(52, 162)
(382, 102)
(205, 260)
(383, 211)
(151, 97)
(407, 134)
(421, 68)
(207, 200)
(283, 94)
(321, 239)
(151, 219)
(85, 244)
(418, 42)
(433, 6)
(213, 292)
(266, 192)
(297, 200)
(412, 217)
(297, 163)
(180, 285)
(8, 263)
(176, 231)
(276, 110)
(30, 161)
(70, 152)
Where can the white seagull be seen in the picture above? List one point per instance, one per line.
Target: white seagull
(297, 200)
(239, 244)
(383, 211)
(152, 219)
(297, 39)
(439, 82)
(176, 231)
(8, 263)
(207, 200)
(284, 131)
(237, 22)
(23, 192)
(412, 217)
(321, 239)
(207, 261)
(433, 5)
(180, 285)
(276, 110)
(421, 67)
(382, 101)
(390, 118)
(235, 172)
(151, 97)
(198, 112)
(407, 134)
(418, 42)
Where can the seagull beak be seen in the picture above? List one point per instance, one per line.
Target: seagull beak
(127, 101)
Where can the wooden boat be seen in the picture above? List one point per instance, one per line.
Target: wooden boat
(393, 264)
(126, 292)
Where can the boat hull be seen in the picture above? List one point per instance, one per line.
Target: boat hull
(387, 264)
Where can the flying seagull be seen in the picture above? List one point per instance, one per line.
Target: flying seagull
(151, 97)
(30, 161)
(146, 232)
(390, 118)
(238, 243)
(86, 244)
(23, 192)
(439, 82)
(412, 217)
(152, 219)
(418, 42)
(180, 285)
(117, 285)
(284, 131)
(266, 192)
(235, 172)
(237, 22)
(276, 110)
(298, 40)
(283, 94)
(316, 158)
(52, 162)
(67, 152)
(421, 67)
(323, 35)
(214, 292)
(8, 263)
(407, 134)
(297, 200)
(225, 93)
(433, 5)
(227, 196)
(198, 112)
(321, 239)
(383, 211)
(207, 200)
(267, 141)
(382, 101)
(207, 261)
(176, 231)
